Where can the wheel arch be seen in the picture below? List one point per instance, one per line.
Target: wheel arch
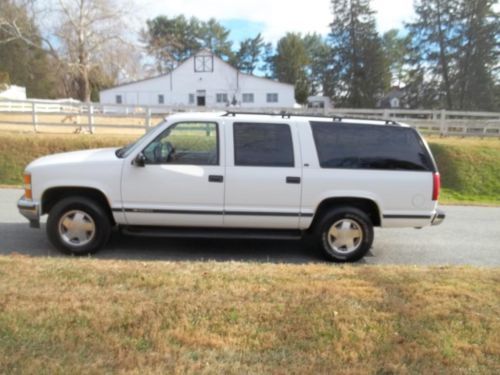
(53, 195)
(367, 205)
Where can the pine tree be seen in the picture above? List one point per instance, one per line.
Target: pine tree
(25, 64)
(248, 55)
(478, 56)
(289, 64)
(359, 70)
(172, 40)
(319, 55)
(458, 46)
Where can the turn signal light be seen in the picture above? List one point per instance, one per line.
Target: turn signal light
(27, 187)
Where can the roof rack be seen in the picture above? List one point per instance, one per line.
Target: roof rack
(287, 115)
(283, 114)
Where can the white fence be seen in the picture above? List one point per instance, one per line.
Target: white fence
(89, 116)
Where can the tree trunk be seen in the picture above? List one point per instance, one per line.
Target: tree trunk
(443, 59)
(83, 85)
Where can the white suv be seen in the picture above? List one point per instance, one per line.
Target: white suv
(241, 175)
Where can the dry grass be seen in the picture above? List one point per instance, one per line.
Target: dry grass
(94, 316)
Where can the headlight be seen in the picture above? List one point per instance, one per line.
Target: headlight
(27, 186)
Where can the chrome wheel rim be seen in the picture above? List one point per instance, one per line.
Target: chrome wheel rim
(345, 236)
(76, 228)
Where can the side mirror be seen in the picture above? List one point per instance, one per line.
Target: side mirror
(139, 160)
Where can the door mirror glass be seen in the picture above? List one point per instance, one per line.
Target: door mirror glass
(139, 160)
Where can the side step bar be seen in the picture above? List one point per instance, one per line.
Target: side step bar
(178, 232)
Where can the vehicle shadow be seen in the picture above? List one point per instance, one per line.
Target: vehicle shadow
(20, 239)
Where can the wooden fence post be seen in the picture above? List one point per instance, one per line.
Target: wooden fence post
(34, 118)
(148, 118)
(443, 125)
(91, 118)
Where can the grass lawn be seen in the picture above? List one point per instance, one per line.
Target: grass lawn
(94, 316)
(470, 167)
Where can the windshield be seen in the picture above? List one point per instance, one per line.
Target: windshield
(123, 152)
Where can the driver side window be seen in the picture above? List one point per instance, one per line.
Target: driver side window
(191, 143)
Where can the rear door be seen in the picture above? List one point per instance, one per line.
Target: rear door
(263, 175)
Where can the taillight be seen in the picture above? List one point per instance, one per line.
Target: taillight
(27, 186)
(436, 186)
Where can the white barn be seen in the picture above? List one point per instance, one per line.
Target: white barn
(203, 80)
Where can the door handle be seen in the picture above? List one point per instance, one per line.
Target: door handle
(215, 178)
(293, 180)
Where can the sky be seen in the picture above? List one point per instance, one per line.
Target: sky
(273, 18)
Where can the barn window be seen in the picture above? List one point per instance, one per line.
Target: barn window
(247, 98)
(161, 99)
(118, 99)
(204, 63)
(191, 98)
(221, 98)
(272, 98)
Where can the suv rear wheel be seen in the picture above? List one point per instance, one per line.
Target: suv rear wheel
(344, 234)
(78, 226)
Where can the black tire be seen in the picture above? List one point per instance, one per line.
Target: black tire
(93, 212)
(358, 221)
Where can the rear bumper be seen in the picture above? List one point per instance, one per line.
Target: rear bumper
(30, 210)
(438, 217)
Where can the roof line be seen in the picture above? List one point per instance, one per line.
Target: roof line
(185, 61)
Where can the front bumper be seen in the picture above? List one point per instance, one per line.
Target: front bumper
(438, 217)
(30, 210)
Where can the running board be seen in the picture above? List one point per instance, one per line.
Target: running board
(178, 232)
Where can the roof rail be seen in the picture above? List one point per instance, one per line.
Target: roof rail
(283, 114)
(287, 115)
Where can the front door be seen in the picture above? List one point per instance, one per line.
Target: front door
(182, 181)
(201, 98)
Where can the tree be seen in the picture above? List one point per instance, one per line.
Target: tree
(249, 53)
(83, 35)
(267, 60)
(88, 30)
(396, 52)
(319, 54)
(170, 41)
(456, 46)
(27, 65)
(289, 64)
(478, 51)
(359, 68)
(214, 37)
(434, 36)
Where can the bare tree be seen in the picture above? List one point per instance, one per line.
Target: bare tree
(89, 31)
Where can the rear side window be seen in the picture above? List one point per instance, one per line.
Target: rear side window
(354, 146)
(262, 145)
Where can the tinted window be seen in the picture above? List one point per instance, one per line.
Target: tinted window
(266, 145)
(355, 146)
(185, 143)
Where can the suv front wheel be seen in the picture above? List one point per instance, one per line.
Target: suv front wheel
(78, 226)
(344, 234)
